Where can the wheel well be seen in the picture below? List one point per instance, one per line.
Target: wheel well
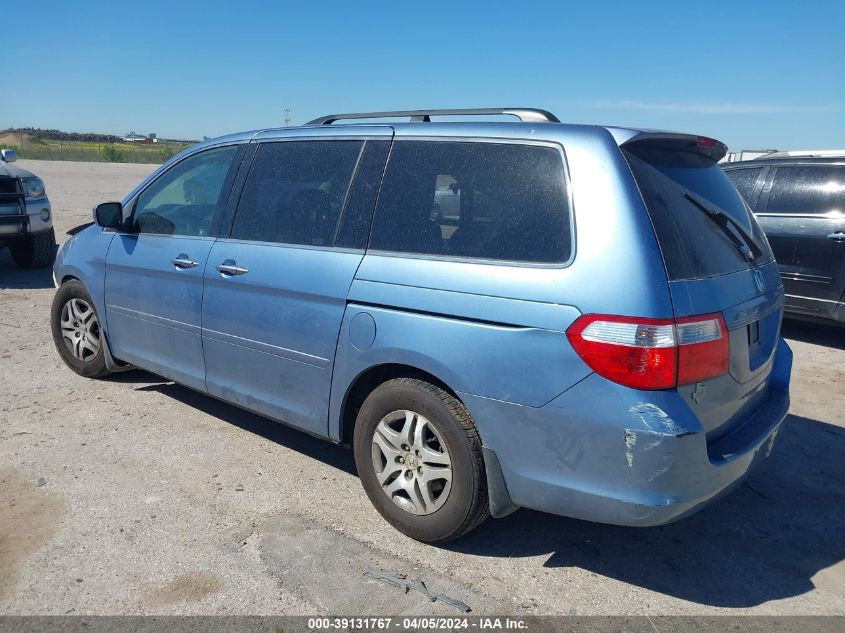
(68, 278)
(369, 380)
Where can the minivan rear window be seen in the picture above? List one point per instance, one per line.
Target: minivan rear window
(703, 227)
(485, 200)
(295, 192)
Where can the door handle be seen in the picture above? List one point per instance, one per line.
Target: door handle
(230, 267)
(838, 236)
(182, 261)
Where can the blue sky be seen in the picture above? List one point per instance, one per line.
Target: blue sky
(753, 74)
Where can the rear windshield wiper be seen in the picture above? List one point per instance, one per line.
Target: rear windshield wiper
(730, 227)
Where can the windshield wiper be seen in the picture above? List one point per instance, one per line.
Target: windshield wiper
(730, 227)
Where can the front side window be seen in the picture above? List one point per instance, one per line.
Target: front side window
(809, 189)
(499, 201)
(295, 192)
(184, 199)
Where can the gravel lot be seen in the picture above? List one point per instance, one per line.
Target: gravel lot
(135, 495)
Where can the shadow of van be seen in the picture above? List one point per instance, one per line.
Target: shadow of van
(763, 542)
(12, 276)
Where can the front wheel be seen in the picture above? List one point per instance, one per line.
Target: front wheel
(37, 251)
(76, 331)
(419, 458)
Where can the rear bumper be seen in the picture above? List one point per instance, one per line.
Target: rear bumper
(602, 452)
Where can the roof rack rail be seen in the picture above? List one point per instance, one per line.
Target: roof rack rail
(424, 116)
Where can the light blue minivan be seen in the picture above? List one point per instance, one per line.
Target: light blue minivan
(577, 319)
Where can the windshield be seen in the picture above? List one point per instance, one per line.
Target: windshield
(703, 226)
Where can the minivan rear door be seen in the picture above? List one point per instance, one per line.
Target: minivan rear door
(717, 260)
(804, 207)
(277, 282)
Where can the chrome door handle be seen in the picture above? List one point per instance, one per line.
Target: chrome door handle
(838, 236)
(230, 267)
(182, 261)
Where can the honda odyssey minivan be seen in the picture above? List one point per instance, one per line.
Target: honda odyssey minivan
(577, 319)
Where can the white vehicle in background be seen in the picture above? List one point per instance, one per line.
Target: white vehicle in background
(746, 154)
(26, 220)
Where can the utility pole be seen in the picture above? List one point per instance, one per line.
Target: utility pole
(286, 112)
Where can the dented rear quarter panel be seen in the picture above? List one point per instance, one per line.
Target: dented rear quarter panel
(603, 452)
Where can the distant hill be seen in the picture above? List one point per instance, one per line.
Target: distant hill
(42, 134)
(38, 144)
(58, 135)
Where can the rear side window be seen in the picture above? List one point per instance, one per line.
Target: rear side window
(295, 192)
(361, 200)
(807, 189)
(691, 240)
(481, 200)
(745, 181)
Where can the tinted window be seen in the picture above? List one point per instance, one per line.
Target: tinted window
(692, 242)
(482, 200)
(361, 201)
(295, 192)
(807, 189)
(745, 181)
(183, 200)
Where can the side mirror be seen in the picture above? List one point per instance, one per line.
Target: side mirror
(8, 155)
(109, 215)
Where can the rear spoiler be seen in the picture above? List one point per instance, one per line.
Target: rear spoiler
(703, 145)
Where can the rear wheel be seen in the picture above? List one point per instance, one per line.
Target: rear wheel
(38, 251)
(419, 459)
(76, 331)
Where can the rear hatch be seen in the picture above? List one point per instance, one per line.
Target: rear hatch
(717, 260)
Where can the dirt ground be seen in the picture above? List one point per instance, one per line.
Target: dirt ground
(135, 495)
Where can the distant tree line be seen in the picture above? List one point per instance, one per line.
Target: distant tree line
(58, 135)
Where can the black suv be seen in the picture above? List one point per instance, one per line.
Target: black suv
(26, 220)
(799, 200)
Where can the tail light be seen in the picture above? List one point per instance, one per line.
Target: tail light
(711, 147)
(652, 353)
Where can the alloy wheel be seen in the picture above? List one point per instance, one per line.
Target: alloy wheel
(411, 462)
(80, 329)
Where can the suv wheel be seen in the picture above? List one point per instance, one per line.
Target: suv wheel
(419, 458)
(76, 330)
(38, 251)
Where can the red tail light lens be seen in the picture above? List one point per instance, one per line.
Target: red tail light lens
(704, 349)
(652, 353)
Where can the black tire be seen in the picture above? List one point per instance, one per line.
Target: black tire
(93, 367)
(467, 504)
(38, 251)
